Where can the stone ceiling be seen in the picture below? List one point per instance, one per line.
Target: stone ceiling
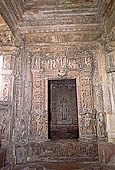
(37, 15)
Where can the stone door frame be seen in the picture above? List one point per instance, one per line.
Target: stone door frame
(43, 91)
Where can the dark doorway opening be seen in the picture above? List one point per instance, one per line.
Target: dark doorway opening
(62, 109)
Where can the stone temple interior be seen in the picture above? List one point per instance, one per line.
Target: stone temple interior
(57, 84)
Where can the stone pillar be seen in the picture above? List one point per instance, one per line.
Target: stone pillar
(99, 77)
(106, 78)
(111, 94)
(23, 97)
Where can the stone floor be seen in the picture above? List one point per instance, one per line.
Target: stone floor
(65, 165)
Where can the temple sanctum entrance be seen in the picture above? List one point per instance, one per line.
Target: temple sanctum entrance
(63, 113)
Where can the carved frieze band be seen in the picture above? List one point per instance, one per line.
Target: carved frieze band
(47, 64)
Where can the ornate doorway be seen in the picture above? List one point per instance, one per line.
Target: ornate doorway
(63, 112)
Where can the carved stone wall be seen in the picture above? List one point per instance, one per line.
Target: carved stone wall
(57, 41)
(34, 67)
(32, 72)
(46, 65)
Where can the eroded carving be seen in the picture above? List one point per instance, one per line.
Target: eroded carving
(101, 126)
(6, 87)
(88, 126)
(4, 125)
